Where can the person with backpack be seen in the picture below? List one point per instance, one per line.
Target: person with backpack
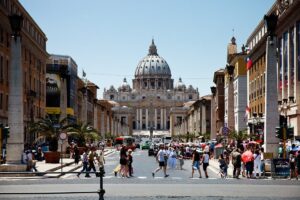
(236, 162)
(85, 162)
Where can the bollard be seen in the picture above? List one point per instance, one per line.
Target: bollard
(101, 191)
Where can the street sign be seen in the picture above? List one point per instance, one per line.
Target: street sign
(225, 130)
(63, 136)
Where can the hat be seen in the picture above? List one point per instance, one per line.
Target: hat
(129, 150)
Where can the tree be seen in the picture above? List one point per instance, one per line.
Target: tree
(49, 128)
(238, 136)
(83, 133)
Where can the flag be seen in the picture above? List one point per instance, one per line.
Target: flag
(83, 73)
(249, 63)
(247, 112)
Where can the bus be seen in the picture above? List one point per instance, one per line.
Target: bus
(127, 141)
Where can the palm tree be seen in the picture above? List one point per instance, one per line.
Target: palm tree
(238, 136)
(83, 133)
(50, 129)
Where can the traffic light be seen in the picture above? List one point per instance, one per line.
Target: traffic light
(5, 132)
(290, 132)
(279, 132)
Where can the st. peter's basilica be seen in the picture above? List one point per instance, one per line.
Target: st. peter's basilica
(153, 102)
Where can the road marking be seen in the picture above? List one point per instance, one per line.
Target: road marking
(176, 178)
(108, 177)
(142, 177)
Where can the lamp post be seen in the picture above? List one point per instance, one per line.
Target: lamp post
(15, 143)
(284, 107)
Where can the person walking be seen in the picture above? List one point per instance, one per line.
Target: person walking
(257, 163)
(298, 164)
(85, 161)
(129, 161)
(236, 162)
(222, 166)
(292, 161)
(92, 161)
(205, 162)
(76, 155)
(196, 163)
(162, 159)
(124, 163)
(172, 158)
(180, 157)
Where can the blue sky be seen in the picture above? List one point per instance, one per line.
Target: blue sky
(108, 38)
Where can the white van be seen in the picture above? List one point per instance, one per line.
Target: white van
(166, 139)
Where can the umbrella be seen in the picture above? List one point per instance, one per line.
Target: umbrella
(247, 156)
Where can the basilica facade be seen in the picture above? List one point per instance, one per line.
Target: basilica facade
(148, 104)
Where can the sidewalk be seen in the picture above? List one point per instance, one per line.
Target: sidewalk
(68, 165)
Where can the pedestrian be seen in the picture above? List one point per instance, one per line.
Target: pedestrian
(39, 155)
(298, 164)
(31, 162)
(123, 162)
(76, 155)
(205, 162)
(92, 161)
(257, 163)
(180, 157)
(236, 162)
(85, 162)
(196, 163)
(162, 159)
(292, 162)
(172, 158)
(100, 157)
(129, 162)
(222, 166)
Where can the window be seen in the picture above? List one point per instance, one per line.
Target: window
(190, 96)
(280, 65)
(144, 97)
(292, 56)
(1, 68)
(111, 97)
(178, 97)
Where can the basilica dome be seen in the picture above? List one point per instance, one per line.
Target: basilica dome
(152, 65)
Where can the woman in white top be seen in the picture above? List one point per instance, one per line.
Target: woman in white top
(257, 163)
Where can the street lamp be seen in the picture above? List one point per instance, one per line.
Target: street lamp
(213, 90)
(284, 108)
(16, 22)
(270, 23)
(230, 70)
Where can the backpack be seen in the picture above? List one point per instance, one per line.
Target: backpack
(91, 156)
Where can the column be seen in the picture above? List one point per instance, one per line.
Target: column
(155, 118)
(15, 142)
(165, 118)
(147, 118)
(271, 107)
(137, 119)
(141, 119)
(161, 119)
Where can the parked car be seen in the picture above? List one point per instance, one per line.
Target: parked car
(145, 145)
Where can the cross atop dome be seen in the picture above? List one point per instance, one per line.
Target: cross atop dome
(152, 49)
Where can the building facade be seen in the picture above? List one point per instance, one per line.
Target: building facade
(153, 94)
(61, 87)
(34, 57)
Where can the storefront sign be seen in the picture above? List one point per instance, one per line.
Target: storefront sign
(281, 167)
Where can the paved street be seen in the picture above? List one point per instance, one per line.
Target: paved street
(143, 185)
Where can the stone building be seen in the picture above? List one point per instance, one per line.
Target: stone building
(153, 94)
(34, 57)
(217, 104)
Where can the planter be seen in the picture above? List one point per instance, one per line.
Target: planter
(52, 157)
